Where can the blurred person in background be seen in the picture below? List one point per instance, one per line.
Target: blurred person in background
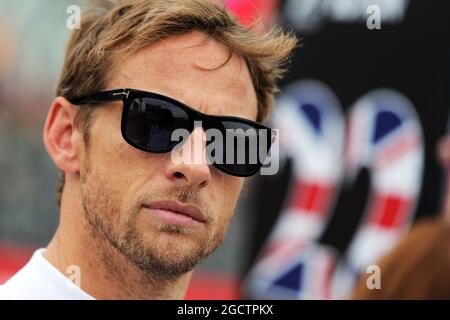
(134, 223)
(418, 266)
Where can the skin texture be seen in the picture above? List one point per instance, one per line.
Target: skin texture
(123, 250)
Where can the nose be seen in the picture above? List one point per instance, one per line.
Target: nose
(187, 164)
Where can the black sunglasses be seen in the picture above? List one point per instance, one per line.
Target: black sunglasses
(149, 120)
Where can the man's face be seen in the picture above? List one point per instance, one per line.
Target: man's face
(120, 184)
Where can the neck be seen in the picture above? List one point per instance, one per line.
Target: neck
(104, 272)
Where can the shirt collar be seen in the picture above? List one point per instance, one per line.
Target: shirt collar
(40, 280)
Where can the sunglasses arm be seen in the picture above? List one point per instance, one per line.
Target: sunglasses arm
(103, 96)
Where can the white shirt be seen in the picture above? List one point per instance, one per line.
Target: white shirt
(40, 280)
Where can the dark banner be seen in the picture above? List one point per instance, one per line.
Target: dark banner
(359, 117)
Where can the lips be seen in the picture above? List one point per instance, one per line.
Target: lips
(178, 208)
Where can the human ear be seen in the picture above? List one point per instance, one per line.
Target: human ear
(61, 139)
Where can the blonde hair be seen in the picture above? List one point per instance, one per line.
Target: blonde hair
(113, 28)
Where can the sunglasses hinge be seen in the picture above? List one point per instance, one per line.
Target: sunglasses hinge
(125, 94)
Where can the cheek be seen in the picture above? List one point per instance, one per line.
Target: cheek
(227, 194)
(124, 168)
(110, 159)
(113, 185)
(228, 191)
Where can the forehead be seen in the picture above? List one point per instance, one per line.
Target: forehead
(193, 69)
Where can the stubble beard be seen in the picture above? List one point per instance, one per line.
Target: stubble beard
(160, 256)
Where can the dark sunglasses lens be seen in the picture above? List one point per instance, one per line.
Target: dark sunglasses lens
(244, 148)
(150, 122)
